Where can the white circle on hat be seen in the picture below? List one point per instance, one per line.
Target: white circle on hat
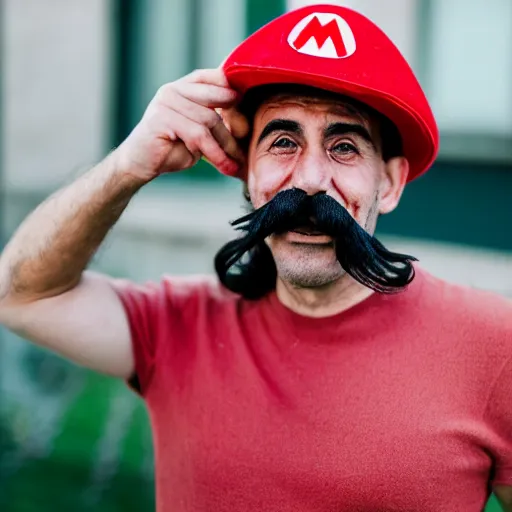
(323, 34)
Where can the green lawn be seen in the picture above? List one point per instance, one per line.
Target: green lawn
(65, 478)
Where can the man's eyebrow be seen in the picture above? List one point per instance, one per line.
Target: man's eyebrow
(345, 128)
(278, 125)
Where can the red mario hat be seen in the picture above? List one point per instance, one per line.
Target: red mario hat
(338, 49)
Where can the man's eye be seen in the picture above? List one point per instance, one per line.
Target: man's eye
(284, 142)
(344, 148)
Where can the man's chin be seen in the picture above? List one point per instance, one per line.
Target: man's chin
(306, 264)
(301, 277)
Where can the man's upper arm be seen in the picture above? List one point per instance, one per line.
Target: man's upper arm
(87, 325)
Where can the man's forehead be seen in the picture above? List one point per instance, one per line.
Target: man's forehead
(322, 101)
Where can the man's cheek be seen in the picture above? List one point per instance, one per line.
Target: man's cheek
(266, 183)
(354, 196)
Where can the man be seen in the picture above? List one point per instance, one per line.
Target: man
(323, 372)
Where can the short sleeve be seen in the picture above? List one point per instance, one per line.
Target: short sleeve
(162, 316)
(145, 306)
(498, 416)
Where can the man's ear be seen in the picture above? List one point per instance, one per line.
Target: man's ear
(394, 179)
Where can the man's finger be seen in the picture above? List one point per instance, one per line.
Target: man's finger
(228, 143)
(211, 120)
(179, 155)
(194, 111)
(208, 76)
(200, 140)
(211, 96)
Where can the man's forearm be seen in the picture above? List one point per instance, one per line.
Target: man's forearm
(53, 246)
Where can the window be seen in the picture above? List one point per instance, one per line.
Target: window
(467, 74)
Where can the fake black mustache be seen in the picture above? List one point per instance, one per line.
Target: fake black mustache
(360, 254)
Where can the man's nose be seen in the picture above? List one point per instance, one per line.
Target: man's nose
(311, 175)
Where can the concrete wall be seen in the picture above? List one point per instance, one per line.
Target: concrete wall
(57, 72)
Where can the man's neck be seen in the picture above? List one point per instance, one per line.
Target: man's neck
(322, 301)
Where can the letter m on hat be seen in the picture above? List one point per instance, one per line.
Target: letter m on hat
(323, 34)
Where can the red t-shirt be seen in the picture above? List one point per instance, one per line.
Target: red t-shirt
(401, 403)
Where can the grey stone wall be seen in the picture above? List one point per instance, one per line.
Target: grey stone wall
(56, 74)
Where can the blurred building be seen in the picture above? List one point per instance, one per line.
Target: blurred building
(79, 74)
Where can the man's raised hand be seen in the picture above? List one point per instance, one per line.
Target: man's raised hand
(180, 125)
